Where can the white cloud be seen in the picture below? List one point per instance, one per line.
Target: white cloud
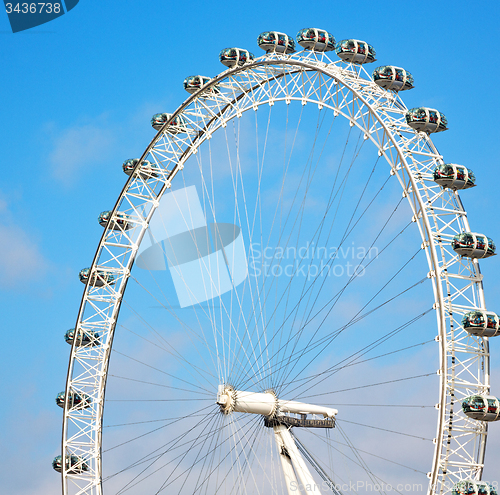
(20, 258)
(78, 147)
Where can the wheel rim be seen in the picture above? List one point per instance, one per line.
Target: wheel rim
(341, 90)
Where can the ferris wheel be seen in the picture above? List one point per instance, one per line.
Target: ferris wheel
(273, 271)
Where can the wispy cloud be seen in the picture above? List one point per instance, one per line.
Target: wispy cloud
(20, 258)
(92, 142)
(78, 147)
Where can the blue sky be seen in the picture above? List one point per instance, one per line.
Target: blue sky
(77, 96)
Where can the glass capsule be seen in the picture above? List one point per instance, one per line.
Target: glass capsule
(315, 39)
(98, 279)
(233, 57)
(394, 78)
(120, 222)
(73, 464)
(454, 176)
(272, 41)
(481, 407)
(472, 245)
(355, 51)
(471, 487)
(481, 323)
(147, 169)
(192, 84)
(76, 400)
(83, 338)
(423, 119)
(176, 126)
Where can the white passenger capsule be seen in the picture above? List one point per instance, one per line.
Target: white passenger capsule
(272, 41)
(355, 51)
(192, 84)
(481, 323)
(315, 39)
(73, 464)
(472, 245)
(120, 222)
(394, 78)
(233, 57)
(147, 169)
(454, 176)
(428, 120)
(76, 400)
(83, 337)
(481, 407)
(176, 125)
(99, 278)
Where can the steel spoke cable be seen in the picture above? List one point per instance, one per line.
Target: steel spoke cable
(154, 400)
(382, 405)
(214, 440)
(174, 353)
(193, 463)
(336, 367)
(357, 314)
(192, 466)
(135, 481)
(292, 277)
(255, 427)
(163, 372)
(223, 309)
(169, 306)
(217, 331)
(373, 344)
(148, 457)
(355, 156)
(330, 440)
(340, 291)
(265, 276)
(142, 435)
(362, 462)
(241, 316)
(333, 334)
(160, 385)
(200, 438)
(384, 429)
(354, 357)
(240, 468)
(369, 385)
(279, 202)
(326, 340)
(134, 423)
(320, 228)
(339, 294)
(280, 301)
(347, 232)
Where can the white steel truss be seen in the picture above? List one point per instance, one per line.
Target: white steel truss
(307, 78)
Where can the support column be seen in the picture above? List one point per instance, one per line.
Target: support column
(294, 466)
